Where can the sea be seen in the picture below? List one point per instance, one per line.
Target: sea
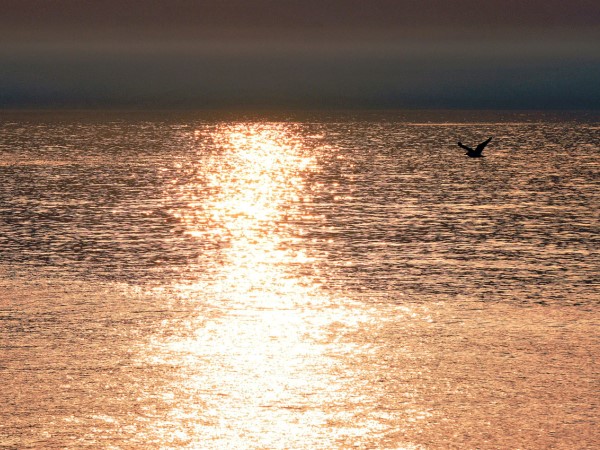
(299, 280)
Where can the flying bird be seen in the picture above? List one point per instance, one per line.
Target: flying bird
(477, 152)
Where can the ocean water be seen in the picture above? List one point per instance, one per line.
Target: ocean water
(340, 280)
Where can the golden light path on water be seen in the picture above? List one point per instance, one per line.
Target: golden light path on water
(268, 366)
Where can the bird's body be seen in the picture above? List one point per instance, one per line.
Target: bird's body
(475, 153)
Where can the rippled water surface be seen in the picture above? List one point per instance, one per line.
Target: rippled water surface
(181, 280)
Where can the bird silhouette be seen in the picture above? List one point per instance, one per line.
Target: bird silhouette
(476, 153)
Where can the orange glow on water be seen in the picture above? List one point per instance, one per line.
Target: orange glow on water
(269, 347)
(313, 285)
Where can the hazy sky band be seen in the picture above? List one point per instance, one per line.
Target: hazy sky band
(494, 54)
(188, 18)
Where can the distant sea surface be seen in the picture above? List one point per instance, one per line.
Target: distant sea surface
(314, 280)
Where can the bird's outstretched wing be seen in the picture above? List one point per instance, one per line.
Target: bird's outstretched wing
(461, 145)
(481, 146)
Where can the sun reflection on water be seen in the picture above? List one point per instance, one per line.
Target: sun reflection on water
(258, 372)
(255, 190)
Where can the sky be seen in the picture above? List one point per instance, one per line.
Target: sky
(311, 54)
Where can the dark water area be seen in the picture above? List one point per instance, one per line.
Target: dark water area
(314, 280)
(388, 204)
